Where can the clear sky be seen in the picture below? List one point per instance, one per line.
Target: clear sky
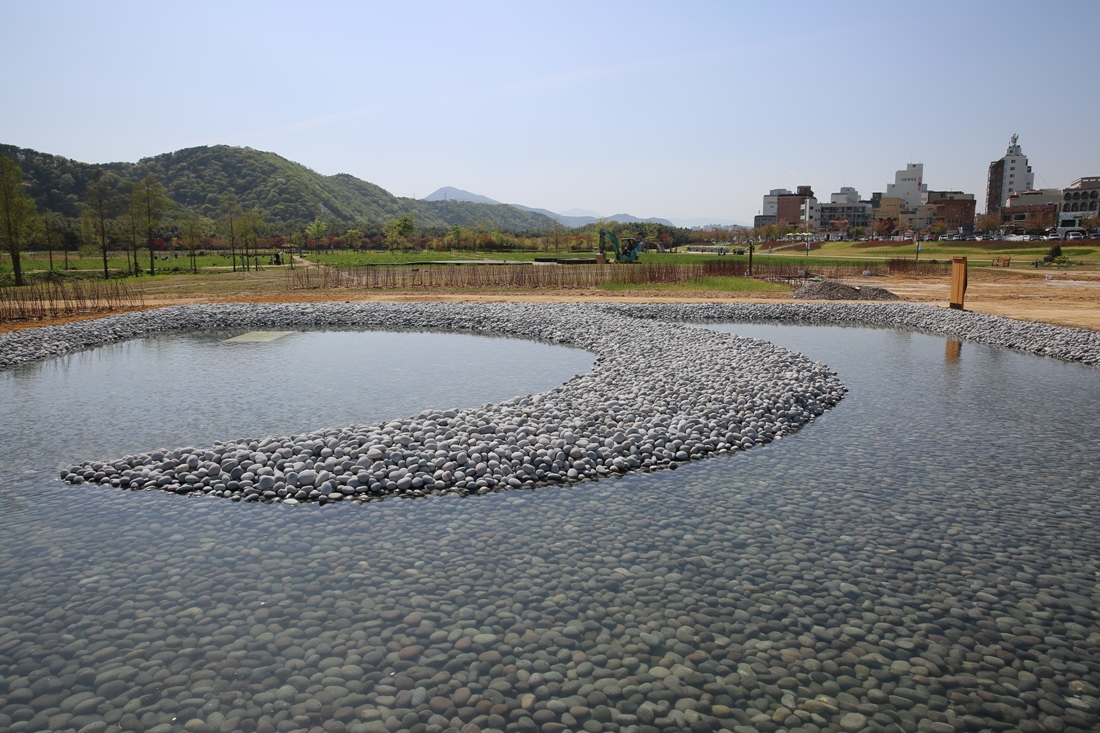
(651, 108)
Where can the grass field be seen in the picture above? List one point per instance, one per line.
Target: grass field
(37, 263)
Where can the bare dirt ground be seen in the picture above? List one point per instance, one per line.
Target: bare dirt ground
(1066, 299)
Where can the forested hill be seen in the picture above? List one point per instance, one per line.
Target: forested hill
(285, 192)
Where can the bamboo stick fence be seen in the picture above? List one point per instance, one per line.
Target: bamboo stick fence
(548, 277)
(906, 266)
(57, 299)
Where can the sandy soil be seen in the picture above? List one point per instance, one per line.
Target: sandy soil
(1067, 299)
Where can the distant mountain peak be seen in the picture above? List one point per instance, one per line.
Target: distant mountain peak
(450, 193)
(571, 218)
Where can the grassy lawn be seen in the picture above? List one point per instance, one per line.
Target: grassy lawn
(37, 262)
(710, 284)
(368, 258)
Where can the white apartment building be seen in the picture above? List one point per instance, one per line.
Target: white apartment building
(908, 186)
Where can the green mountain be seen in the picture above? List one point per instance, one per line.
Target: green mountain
(286, 193)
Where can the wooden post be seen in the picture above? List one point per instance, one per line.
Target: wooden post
(958, 282)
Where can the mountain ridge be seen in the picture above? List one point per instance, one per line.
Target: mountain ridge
(450, 193)
(285, 192)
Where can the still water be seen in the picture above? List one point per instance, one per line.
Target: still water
(923, 557)
(194, 388)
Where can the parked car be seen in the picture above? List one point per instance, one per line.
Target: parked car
(1074, 235)
(1034, 237)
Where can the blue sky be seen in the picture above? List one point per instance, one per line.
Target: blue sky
(656, 109)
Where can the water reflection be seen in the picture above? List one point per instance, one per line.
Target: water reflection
(953, 351)
(194, 388)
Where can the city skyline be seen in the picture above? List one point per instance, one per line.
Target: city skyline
(678, 113)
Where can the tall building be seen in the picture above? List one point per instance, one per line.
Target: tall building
(1011, 174)
(908, 186)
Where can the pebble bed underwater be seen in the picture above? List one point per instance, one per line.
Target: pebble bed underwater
(768, 518)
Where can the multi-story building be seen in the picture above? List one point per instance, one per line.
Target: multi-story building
(809, 214)
(1080, 203)
(845, 206)
(1026, 207)
(768, 214)
(846, 195)
(771, 201)
(1011, 174)
(953, 209)
(1018, 216)
(1039, 197)
(917, 219)
(888, 207)
(788, 209)
(1082, 195)
(908, 186)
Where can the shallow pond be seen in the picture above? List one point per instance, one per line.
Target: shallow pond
(194, 388)
(923, 557)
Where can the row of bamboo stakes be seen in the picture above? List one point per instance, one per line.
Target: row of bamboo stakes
(572, 277)
(46, 300)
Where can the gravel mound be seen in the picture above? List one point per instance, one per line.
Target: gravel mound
(659, 395)
(832, 290)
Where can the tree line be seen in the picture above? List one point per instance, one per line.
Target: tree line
(119, 215)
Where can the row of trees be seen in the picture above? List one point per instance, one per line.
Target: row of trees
(118, 215)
